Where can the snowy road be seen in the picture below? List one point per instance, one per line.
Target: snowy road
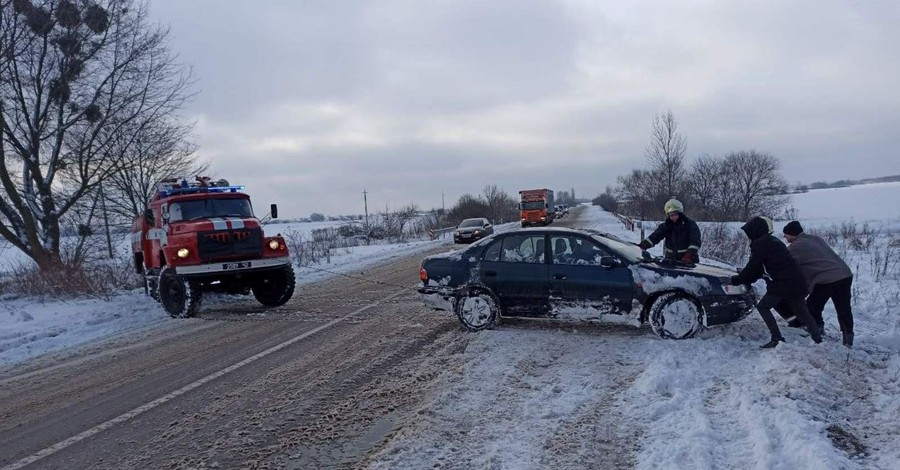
(181, 397)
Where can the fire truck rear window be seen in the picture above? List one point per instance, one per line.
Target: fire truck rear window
(207, 208)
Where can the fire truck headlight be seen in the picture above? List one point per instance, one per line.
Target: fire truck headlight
(273, 244)
(183, 253)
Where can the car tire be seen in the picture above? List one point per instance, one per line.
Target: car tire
(477, 309)
(676, 315)
(180, 297)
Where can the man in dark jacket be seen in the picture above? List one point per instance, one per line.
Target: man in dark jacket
(682, 235)
(770, 259)
(828, 276)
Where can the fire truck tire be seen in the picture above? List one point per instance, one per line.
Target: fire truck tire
(179, 297)
(276, 288)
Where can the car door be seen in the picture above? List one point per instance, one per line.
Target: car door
(586, 279)
(515, 268)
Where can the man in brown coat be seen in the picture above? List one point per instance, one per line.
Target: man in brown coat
(828, 276)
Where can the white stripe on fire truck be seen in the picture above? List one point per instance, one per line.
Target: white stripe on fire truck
(236, 223)
(219, 224)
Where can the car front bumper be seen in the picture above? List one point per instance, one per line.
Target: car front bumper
(721, 309)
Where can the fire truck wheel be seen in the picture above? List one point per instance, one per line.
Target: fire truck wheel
(276, 288)
(179, 297)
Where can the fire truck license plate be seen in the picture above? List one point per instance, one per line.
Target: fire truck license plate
(238, 265)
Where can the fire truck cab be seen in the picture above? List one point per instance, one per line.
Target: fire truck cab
(203, 235)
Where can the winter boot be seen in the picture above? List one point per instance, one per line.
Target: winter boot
(848, 339)
(815, 333)
(772, 343)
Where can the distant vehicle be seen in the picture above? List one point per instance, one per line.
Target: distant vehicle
(201, 236)
(560, 211)
(565, 209)
(536, 207)
(578, 275)
(471, 230)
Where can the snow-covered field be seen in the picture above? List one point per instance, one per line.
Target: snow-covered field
(879, 203)
(585, 398)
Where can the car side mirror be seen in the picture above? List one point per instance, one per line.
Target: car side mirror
(273, 210)
(610, 262)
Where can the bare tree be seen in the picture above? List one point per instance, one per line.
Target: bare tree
(641, 195)
(703, 187)
(666, 152)
(79, 83)
(757, 183)
(164, 150)
(501, 207)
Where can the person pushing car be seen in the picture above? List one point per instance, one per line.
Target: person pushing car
(682, 235)
(771, 260)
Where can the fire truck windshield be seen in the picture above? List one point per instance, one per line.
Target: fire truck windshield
(534, 205)
(209, 208)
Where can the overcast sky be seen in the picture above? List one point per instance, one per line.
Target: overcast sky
(309, 102)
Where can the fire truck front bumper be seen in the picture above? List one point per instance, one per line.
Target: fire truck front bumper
(229, 267)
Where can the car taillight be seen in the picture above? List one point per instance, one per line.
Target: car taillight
(423, 275)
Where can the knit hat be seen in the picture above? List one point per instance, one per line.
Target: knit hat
(793, 228)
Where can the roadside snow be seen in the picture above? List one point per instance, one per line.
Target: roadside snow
(621, 398)
(30, 327)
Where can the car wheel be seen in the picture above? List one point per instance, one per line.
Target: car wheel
(676, 316)
(179, 297)
(477, 309)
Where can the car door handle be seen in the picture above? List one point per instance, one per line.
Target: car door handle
(561, 277)
(490, 274)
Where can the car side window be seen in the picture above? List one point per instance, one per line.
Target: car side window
(493, 252)
(586, 253)
(523, 249)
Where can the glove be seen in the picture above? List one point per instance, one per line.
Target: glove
(645, 245)
(689, 258)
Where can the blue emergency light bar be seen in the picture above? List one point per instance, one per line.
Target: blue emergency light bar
(175, 190)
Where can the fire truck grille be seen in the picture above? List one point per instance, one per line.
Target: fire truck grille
(230, 243)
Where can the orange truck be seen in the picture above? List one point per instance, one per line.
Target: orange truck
(536, 207)
(202, 235)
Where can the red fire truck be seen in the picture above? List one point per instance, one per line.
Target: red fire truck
(202, 235)
(536, 207)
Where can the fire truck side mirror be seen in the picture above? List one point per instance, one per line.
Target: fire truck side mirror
(148, 216)
(165, 215)
(273, 210)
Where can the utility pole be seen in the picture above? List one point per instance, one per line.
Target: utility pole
(443, 209)
(366, 204)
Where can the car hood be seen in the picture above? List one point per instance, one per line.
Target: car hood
(697, 269)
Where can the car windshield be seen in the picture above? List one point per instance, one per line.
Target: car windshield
(624, 249)
(209, 208)
(471, 223)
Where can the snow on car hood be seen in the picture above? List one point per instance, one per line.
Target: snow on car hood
(653, 280)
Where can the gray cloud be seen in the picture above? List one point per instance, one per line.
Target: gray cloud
(310, 102)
